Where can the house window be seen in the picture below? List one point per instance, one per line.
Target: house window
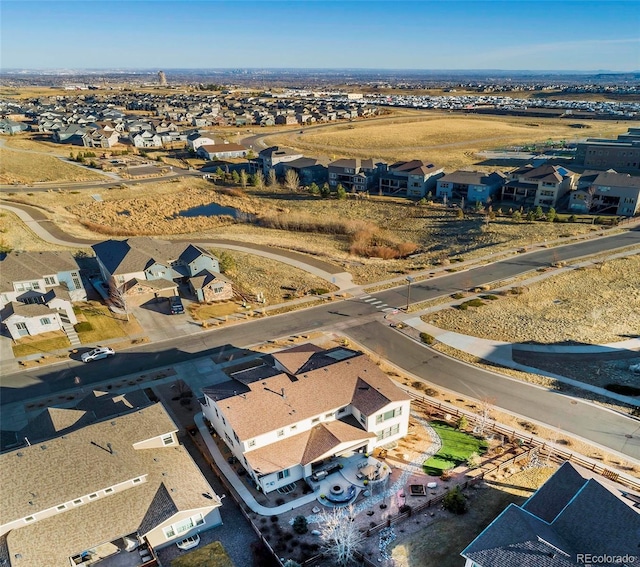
(228, 438)
(283, 474)
(251, 443)
(342, 410)
(137, 480)
(280, 432)
(21, 326)
(393, 430)
(363, 419)
(169, 532)
(235, 436)
(328, 415)
(29, 519)
(389, 415)
(293, 427)
(35, 285)
(108, 490)
(50, 280)
(93, 496)
(61, 507)
(77, 502)
(167, 440)
(315, 420)
(45, 321)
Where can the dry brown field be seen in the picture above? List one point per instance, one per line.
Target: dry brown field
(435, 230)
(24, 168)
(595, 305)
(448, 140)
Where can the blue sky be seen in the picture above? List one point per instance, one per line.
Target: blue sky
(446, 34)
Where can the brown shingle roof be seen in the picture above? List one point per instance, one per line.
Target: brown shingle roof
(282, 399)
(71, 466)
(23, 266)
(293, 359)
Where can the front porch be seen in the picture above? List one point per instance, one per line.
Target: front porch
(122, 552)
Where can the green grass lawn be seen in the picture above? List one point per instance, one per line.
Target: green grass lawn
(212, 555)
(26, 347)
(104, 324)
(457, 447)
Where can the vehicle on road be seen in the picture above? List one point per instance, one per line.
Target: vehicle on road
(189, 542)
(176, 305)
(97, 354)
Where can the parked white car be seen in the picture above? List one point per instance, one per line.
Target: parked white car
(189, 542)
(97, 354)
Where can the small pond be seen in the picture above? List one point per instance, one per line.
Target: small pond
(213, 209)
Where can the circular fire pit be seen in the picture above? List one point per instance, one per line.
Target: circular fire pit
(336, 489)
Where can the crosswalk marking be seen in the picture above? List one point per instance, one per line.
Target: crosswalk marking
(370, 300)
(364, 296)
(376, 302)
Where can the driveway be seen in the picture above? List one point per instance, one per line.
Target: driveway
(158, 323)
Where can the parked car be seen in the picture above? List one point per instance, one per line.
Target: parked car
(97, 354)
(176, 305)
(189, 542)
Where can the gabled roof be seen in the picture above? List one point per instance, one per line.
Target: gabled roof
(612, 179)
(463, 177)
(25, 266)
(413, 167)
(546, 172)
(573, 512)
(138, 253)
(205, 278)
(353, 163)
(52, 422)
(293, 359)
(306, 447)
(88, 460)
(276, 401)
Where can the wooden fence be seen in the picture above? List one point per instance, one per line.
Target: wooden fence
(551, 451)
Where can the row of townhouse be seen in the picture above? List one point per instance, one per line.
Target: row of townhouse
(545, 185)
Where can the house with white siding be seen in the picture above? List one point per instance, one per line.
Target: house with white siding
(37, 290)
(303, 405)
(99, 489)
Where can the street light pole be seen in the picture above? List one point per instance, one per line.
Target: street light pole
(410, 280)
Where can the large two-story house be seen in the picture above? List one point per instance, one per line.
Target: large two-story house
(474, 186)
(354, 174)
(37, 290)
(413, 178)
(607, 192)
(302, 406)
(274, 158)
(574, 519)
(143, 268)
(540, 186)
(100, 489)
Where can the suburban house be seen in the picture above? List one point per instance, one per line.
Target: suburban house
(608, 192)
(541, 186)
(411, 178)
(11, 127)
(145, 139)
(622, 154)
(221, 151)
(102, 488)
(573, 519)
(141, 269)
(196, 139)
(354, 174)
(474, 186)
(303, 405)
(37, 290)
(274, 157)
(309, 170)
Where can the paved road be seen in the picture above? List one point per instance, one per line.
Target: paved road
(362, 319)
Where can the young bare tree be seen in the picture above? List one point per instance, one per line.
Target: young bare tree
(340, 534)
(119, 299)
(243, 178)
(589, 197)
(272, 180)
(291, 180)
(483, 415)
(258, 180)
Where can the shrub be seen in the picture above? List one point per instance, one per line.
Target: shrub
(300, 525)
(489, 297)
(455, 501)
(279, 502)
(405, 509)
(274, 519)
(83, 327)
(457, 295)
(462, 422)
(318, 291)
(427, 339)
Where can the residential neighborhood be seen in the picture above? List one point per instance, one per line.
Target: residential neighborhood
(319, 284)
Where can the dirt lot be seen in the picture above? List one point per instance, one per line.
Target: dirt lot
(440, 542)
(448, 140)
(559, 309)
